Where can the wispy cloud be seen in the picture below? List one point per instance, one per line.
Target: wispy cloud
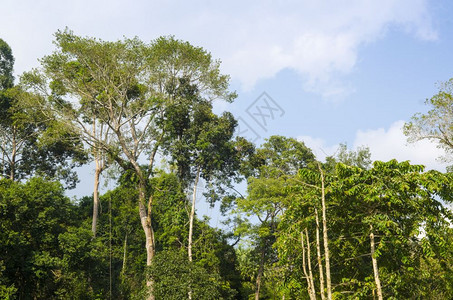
(319, 146)
(385, 144)
(320, 40)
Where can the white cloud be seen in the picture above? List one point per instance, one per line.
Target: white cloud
(255, 39)
(319, 146)
(384, 145)
(317, 39)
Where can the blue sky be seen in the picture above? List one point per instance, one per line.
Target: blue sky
(342, 71)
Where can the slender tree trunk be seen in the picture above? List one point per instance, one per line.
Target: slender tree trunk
(123, 269)
(149, 244)
(12, 173)
(375, 266)
(259, 276)
(145, 219)
(97, 174)
(318, 254)
(3, 158)
(191, 218)
(313, 289)
(325, 236)
(110, 247)
(304, 268)
(192, 214)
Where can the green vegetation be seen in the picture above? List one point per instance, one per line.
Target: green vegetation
(346, 228)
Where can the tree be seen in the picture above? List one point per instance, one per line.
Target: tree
(205, 150)
(128, 83)
(199, 143)
(310, 192)
(387, 208)
(360, 158)
(35, 217)
(175, 276)
(271, 169)
(6, 66)
(384, 224)
(211, 254)
(33, 141)
(437, 124)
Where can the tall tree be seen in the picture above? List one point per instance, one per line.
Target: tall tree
(437, 124)
(311, 193)
(44, 255)
(34, 142)
(270, 171)
(205, 150)
(361, 158)
(199, 144)
(388, 206)
(378, 224)
(6, 66)
(128, 83)
(6, 82)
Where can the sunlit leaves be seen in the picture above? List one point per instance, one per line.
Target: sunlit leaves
(437, 124)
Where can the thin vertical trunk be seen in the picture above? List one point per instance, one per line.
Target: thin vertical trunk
(318, 254)
(99, 167)
(12, 173)
(304, 268)
(259, 276)
(145, 219)
(325, 236)
(3, 158)
(110, 248)
(97, 174)
(375, 266)
(192, 214)
(191, 217)
(313, 289)
(123, 270)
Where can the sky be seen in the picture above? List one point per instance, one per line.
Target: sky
(325, 72)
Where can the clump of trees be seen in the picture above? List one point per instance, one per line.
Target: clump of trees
(305, 229)
(437, 124)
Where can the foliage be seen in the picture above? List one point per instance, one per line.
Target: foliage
(271, 169)
(175, 276)
(398, 203)
(360, 158)
(34, 142)
(6, 66)
(119, 229)
(437, 124)
(43, 253)
(137, 102)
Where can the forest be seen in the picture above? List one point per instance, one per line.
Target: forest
(141, 115)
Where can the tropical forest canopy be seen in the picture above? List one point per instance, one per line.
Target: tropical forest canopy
(142, 115)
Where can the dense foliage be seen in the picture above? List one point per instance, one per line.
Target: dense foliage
(346, 228)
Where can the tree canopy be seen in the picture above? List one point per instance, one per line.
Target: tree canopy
(437, 124)
(296, 227)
